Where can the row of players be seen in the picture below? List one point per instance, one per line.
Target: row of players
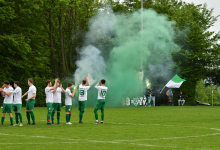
(53, 101)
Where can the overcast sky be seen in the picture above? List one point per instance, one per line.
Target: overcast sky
(210, 4)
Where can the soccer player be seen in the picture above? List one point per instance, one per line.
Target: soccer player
(49, 98)
(30, 101)
(83, 97)
(57, 102)
(7, 104)
(100, 104)
(17, 103)
(68, 102)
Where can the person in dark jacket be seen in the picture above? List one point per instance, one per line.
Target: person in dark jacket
(181, 99)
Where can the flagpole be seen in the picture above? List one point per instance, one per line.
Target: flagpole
(162, 89)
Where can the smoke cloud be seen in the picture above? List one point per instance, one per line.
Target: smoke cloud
(116, 48)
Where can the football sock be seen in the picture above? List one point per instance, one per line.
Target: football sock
(96, 114)
(20, 116)
(11, 120)
(16, 117)
(102, 116)
(28, 117)
(32, 116)
(48, 116)
(67, 118)
(2, 120)
(58, 117)
(52, 116)
(81, 116)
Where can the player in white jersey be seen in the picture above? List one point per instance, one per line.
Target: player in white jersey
(68, 102)
(49, 98)
(83, 97)
(30, 101)
(57, 102)
(100, 104)
(17, 103)
(7, 104)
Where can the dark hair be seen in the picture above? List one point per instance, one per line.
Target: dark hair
(103, 81)
(70, 84)
(7, 82)
(31, 80)
(83, 82)
(17, 83)
(47, 82)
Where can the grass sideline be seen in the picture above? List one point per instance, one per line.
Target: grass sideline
(124, 128)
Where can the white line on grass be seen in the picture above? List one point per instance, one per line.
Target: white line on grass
(170, 138)
(97, 141)
(39, 143)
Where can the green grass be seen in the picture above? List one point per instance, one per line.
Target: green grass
(124, 128)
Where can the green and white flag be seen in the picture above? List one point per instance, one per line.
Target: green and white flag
(175, 82)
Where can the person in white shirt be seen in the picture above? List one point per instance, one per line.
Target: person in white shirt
(68, 102)
(49, 98)
(83, 97)
(30, 101)
(7, 104)
(57, 102)
(17, 103)
(100, 104)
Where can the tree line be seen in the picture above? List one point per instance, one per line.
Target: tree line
(41, 39)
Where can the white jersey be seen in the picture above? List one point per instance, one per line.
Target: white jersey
(83, 92)
(17, 96)
(32, 89)
(68, 100)
(8, 99)
(102, 90)
(57, 95)
(49, 94)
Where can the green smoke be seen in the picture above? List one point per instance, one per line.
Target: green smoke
(154, 44)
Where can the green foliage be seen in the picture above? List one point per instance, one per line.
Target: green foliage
(204, 93)
(41, 39)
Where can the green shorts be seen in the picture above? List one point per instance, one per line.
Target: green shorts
(49, 106)
(68, 108)
(30, 104)
(7, 108)
(100, 104)
(82, 105)
(56, 106)
(17, 107)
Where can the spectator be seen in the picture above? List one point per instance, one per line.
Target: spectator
(153, 92)
(181, 99)
(169, 93)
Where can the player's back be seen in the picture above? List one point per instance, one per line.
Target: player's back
(57, 95)
(83, 92)
(17, 95)
(68, 100)
(102, 90)
(49, 95)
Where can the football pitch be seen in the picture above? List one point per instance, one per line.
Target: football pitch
(187, 127)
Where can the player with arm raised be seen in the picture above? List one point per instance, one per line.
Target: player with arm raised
(57, 102)
(100, 104)
(17, 103)
(30, 101)
(83, 97)
(68, 102)
(49, 98)
(7, 104)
